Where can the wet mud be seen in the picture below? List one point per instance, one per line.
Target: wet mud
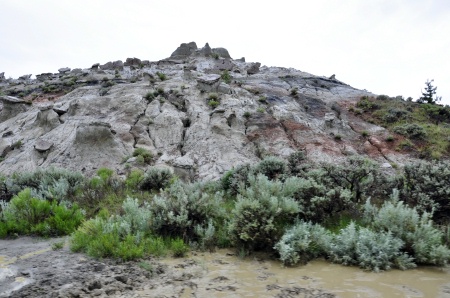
(30, 268)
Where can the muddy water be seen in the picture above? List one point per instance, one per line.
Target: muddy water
(222, 274)
(29, 267)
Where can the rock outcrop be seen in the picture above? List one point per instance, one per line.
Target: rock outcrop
(95, 117)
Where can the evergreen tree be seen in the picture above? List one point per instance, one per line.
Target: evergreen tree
(428, 94)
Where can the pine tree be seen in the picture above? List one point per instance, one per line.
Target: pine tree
(428, 94)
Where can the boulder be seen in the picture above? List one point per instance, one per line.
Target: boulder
(208, 82)
(5, 147)
(106, 66)
(253, 68)
(12, 106)
(77, 71)
(223, 64)
(206, 50)
(64, 70)
(95, 66)
(241, 59)
(44, 76)
(2, 76)
(42, 145)
(133, 62)
(222, 52)
(25, 77)
(184, 50)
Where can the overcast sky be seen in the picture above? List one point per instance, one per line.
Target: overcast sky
(385, 46)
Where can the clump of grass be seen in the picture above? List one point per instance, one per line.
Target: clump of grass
(143, 154)
(149, 96)
(161, 76)
(226, 77)
(58, 245)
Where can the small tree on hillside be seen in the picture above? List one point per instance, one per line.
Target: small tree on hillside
(428, 94)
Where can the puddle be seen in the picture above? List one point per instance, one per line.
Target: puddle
(223, 275)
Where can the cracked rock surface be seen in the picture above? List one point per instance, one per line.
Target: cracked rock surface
(106, 114)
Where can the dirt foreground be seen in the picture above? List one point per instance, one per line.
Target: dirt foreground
(29, 267)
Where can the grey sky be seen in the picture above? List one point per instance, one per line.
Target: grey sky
(385, 46)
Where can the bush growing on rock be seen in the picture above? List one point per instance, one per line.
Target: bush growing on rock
(146, 155)
(413, 131)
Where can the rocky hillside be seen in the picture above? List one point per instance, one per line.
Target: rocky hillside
(199, 112)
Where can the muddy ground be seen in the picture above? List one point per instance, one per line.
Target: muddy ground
(29, 267)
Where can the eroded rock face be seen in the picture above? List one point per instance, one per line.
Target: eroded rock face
(108, 113)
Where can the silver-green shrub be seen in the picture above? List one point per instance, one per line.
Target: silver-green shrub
(303, 242)
(422, 240)
(426, 186)
(317, 201)
(155, 179)
(272, 167)
(183, 208)
(369, 250)
(50, 184)
(260, 214)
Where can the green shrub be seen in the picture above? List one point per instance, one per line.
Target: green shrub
(367, 104)
(369, 250)
(146, 155)
(179, 248)
(149, 96)
(213, 103)
(395, 114)
(134, 178)
(247, 115)
(215, 56)
(161, 76)
(365, 133)
(49, 184)
(26, 215)
(237, 178)
(297, 163)
(182, 208)
(383, 97)
(318, 201)
(426, 186)
(58, 245)
(155, 179)
(260, 214)
(294, 91)
(413, 131)
(120, 236)
(272, 167)
(361, 176)
(390, 139)
(303, 242)
(421, 239)
(226, 77)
